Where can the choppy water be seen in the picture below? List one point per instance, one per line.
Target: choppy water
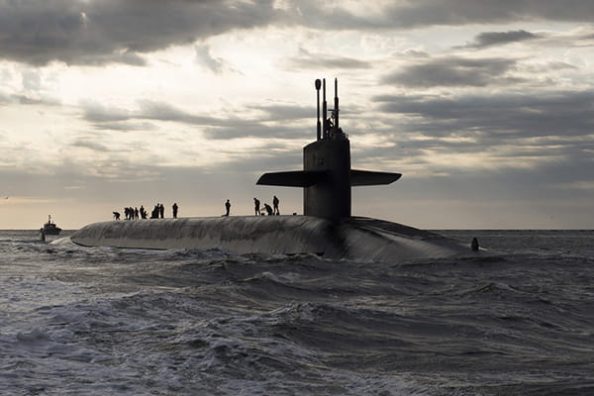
(98, 321)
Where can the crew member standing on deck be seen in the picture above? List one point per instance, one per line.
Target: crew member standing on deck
(257, 206)
(227, 208)
(275, 206)
(174, 208)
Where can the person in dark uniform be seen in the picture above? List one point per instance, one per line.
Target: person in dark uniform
(174, 208)
(474, 245)
(162, 211)
(275, 205)
(268, 209)
(257, 206)
(227, 208)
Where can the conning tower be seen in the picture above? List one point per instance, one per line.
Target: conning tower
(327, 176)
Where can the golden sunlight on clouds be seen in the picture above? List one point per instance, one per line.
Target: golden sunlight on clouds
(230, 90)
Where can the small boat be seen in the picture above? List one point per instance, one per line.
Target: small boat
(50, 228)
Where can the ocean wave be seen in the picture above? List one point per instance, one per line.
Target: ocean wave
(122, 321)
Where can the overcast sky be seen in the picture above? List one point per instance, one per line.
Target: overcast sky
(485, 106)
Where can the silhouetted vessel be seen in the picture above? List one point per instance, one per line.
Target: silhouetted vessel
(327, 227)
(50, 228)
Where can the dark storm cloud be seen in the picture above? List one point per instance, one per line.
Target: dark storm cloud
(540, 135)
(459, 12)
(557, 115)
(489, 39)
(454, 71)
(102, 31)
(413, 14)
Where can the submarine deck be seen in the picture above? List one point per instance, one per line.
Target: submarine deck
(356, 238)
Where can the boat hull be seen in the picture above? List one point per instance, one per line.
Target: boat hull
(51, 231)
(353, 238)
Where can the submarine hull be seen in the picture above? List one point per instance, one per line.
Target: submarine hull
(355, 238)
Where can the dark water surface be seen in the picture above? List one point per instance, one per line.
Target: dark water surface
(99, 321)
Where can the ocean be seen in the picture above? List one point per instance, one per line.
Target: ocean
(99, 321)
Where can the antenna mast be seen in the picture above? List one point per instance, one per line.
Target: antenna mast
(324, 110)
(336, 103)
(319, 126)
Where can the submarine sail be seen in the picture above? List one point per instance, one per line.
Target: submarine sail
(327, 176)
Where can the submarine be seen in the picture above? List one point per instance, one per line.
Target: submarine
(326, 228)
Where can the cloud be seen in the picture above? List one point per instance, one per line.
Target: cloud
(489, 39)
(581, 36)
(97, 113)
(407, 14)
(268, 125)
(160, 111)
(233, 130)
(308, 60)
(31, 80)
(281, 112)
(96, 32)
(538, 138)
(126, 126)
(404, 14)
(28, 99)
(88, 144)
(104, 31)
(557, 113)
(148, 110)
(205, 58)
(454, 71)
(575, 38)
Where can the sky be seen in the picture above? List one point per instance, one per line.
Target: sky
(485, 106)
